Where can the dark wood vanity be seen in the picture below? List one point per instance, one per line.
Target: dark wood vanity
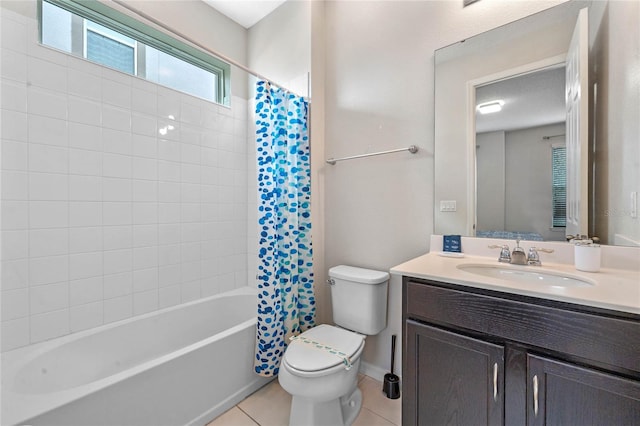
(475, 356)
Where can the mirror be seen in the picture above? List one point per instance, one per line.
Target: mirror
(528, 49)
(511, 193)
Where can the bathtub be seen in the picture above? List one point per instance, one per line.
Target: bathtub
(182, 365)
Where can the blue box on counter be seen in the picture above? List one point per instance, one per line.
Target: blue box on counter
(451, 243)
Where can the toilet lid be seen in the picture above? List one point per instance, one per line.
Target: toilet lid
(305, 356)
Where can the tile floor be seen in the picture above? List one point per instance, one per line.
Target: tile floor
(270, 406)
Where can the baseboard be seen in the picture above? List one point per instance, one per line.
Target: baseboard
(373, 371)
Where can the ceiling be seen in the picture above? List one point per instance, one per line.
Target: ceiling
(245, 12)
(530, 100)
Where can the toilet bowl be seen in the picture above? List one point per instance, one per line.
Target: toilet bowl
(322, 384)
(319, 368)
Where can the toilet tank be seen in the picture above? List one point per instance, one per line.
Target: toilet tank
(359, 298)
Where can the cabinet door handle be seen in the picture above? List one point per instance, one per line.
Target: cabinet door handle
(535, 395)
(495, 381)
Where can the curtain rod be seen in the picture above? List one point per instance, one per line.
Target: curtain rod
(201, 46)
(546, 138)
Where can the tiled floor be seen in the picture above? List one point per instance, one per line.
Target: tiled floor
(270, 406)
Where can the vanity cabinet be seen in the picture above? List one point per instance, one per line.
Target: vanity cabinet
(458, 376)
(568, 394)
(475, 357)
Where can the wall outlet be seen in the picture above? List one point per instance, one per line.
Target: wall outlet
(448, 206)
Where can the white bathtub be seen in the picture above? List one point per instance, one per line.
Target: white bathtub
(179, 366)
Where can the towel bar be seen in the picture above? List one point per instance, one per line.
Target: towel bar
(412, 149)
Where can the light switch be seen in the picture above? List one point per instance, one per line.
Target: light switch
(448, 206)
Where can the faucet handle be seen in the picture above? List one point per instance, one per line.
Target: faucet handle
(533, 258)
(505, 254)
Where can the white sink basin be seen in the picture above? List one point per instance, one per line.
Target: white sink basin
(526, 274)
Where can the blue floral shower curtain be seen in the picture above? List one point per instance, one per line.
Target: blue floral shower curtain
(286, 303)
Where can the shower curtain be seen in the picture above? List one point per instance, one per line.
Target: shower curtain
(286, 302)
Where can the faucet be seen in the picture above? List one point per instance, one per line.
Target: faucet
(517, 256)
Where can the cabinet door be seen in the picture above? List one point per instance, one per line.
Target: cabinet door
(565, 394)
(450, 379)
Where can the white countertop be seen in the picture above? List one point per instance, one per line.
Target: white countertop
(615, 289)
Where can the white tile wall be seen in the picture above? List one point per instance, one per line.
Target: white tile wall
(119, 197)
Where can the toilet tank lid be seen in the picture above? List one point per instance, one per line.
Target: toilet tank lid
(361, 275)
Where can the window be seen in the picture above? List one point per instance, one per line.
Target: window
(93, 31)
(559, 185)
(109, 48)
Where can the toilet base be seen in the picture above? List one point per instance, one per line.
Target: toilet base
(351, 405)
(340, 411)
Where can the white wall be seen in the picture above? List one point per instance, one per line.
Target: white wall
(528, 183)
(617, 151)
(380, 95)
(279, 46)
(103, 217)
(514, 180)
(490, 182)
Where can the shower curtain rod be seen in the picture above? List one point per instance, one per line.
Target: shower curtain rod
(202, 47)
(546, 138)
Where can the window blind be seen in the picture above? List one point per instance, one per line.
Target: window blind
(559, 186)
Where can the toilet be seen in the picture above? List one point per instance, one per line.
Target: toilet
(320, 366)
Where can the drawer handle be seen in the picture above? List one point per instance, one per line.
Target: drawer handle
(535, 395)
(495, 381)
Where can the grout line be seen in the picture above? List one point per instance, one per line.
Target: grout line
(375, 414)
(29, 207)
(247, 414)
(380, 415)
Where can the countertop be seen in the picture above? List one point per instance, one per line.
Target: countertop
(613, 289)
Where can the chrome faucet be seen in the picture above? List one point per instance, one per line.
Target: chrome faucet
(517, 256)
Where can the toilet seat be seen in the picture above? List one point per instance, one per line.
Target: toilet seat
(307, 360)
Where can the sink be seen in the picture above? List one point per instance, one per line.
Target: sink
(526, 274)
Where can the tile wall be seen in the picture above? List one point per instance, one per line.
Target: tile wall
(119, 197)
